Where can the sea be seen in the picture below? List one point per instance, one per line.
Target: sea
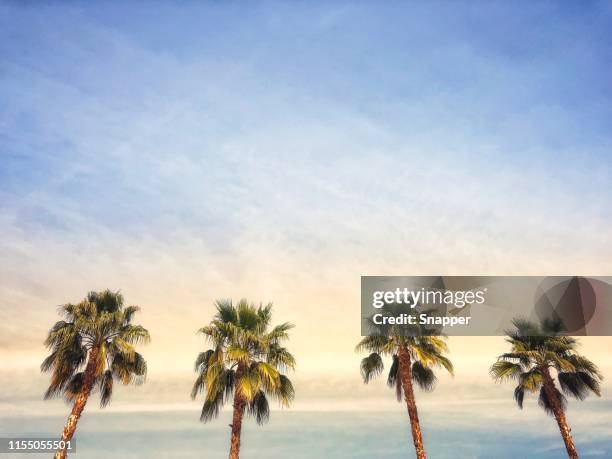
(448, 433)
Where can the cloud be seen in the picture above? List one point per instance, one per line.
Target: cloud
(284, 156)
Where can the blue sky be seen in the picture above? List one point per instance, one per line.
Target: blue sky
(186, 112)
(281, 150)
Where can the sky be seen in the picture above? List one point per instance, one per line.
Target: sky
(279, 151)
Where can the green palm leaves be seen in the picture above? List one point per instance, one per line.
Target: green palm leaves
(247, 361)
(426, 353)
(535, 349)
(96, 334)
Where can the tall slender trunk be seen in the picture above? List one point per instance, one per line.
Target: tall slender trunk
(239, 404)
(80, 402)
(549, 388)
(405, 371)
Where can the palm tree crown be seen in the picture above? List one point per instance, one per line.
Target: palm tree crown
(95, 334)
(246, 361)
(426, 352)
(535, 349)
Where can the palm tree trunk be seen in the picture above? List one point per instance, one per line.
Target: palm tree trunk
(80, 402)
(239, 404)
(549, 388)
(405, 371)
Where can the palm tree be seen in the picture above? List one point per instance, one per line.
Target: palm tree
(535, 351)
(413, 360)
(246, 362)
(90, 348)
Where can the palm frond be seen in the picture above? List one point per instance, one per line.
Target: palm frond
(264, 314)
(559, 360)
(531, 380)
(519, 395)
(248, 384)
(129, 369)
(62, 332)
(393, 371)
(393, 379)
(423, 376)
(280, 357)
(259, 408)
(248, 316)
(74, 386)
(210, 409)
(269, 376)
(547, 404)
(238, 354)
(135, 334)
(279, 332)
(371, 366)
(226, 312)
(229, 383)
(128, 314)
(429, 356)
(198, 386)
(502, 370)
(524, 328)
(553, 326)
(581, 363)
(285, 392)
(201, 363)
(376, 344)
(578, 384)
(106, 388)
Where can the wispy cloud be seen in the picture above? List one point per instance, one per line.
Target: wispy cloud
(282, 154)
